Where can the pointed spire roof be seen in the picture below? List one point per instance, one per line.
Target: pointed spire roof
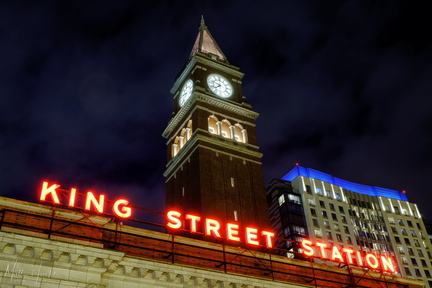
(206, 44)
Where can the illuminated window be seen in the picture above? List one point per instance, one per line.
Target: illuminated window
(326, 224)
(324, 214)
(400, 221)
(299, 230)
(232, 182)
(338, 196)
(339, 237)
(318, 232)
(294, 198)
(336, 227)
(213, 125)
(311, 202)
(413, 233)
(183, 136)
(226, 129)
(281, 199)
(189, 130)
(319, 191)
(239, 133)
(179, 141)
(175, 149)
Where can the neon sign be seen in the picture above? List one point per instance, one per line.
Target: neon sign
(119, 208)
(347, 255)
(214, 228)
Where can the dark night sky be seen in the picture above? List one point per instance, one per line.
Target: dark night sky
(343, 87)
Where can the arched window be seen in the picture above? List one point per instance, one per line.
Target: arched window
(226, 129)
(189, 130)
(239, 133)
(180, 140)
(183, 137)
(213, 125)
(175, 147)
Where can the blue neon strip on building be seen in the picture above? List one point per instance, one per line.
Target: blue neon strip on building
(358, 188)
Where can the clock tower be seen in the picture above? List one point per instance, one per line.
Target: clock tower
(214, 164)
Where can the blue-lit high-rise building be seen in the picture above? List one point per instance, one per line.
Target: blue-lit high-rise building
(309, 204)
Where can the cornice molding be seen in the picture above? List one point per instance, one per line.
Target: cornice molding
(203, 98)
(192, 145)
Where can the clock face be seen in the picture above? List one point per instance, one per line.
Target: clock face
(219, 85)
(186, 92)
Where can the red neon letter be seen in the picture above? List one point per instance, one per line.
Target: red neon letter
(174, 221)
(349, 253)
(251, 236)
(47, 190)
(322, 246)
(125, 211)
(232, 232)
(359, 259)
(306, 245)
(373, 264)
(387, 264)
(72, 197)
(212, 226)
(336, 254)
(91, 199)
(193, 221)
(268, 237)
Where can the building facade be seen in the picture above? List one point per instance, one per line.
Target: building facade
(48, 247)
(213, 159)
(364, 218)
